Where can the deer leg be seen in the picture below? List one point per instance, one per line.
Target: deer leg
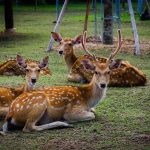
(31, 123)
(51, 126)
(3, 111)
(78, 116)
(93, 110)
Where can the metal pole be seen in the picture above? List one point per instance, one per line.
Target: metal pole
(148, 7)
(95, 19)
(101, 17)
(118, 12)
(136, 37)
(57, 9)
(57, 25)
(140, 6)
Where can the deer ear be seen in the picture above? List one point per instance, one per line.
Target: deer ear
(77, 39)
(115, 64)
(21, 62)
(44, 62)
(56, 36)
(88, 65)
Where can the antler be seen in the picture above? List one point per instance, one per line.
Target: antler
(83, 45)
(118, 47)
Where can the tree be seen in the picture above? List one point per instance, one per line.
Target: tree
(9, 23)
(108, 23)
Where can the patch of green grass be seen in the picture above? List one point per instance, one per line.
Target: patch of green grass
(120, 119)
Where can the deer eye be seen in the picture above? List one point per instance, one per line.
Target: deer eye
(96, 72)
(27, 70)
(38, 70)
(108, 72)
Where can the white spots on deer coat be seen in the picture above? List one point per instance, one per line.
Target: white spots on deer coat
(30, 102)
(2, 96)
(42, 104)
(77, 95)
(40, 97)
(28, 106)
(29, 94)
(21, 107)
(17, 105)
(13, 94)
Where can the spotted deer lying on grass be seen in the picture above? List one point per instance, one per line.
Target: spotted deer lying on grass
(10, 68)
(7, 95)
(123, 73)
(40, 110)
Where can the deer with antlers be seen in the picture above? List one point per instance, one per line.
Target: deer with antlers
(7, 95)
(41, 110)
(123, 73)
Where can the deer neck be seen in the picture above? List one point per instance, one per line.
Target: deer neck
(70, 60)
(23, 88)
(92, 94)
(28, 87)
(17, 91)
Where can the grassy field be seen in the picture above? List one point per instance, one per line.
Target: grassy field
(123, 118)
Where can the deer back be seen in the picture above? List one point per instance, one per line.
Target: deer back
(124, 75)
(11, 67)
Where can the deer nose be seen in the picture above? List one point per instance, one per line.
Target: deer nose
(60, 52)
(33, 80)
(102, 85)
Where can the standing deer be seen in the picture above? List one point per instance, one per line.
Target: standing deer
(40, 110)
(123, 73)
(7, 95)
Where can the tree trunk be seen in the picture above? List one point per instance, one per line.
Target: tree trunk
(86, 15)
(108, 23)
(9, 23)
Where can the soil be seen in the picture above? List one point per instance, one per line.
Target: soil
(68, 144)
(142, 138)
(128, 46)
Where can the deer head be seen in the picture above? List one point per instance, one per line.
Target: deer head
(32, 69)
(66, 45)
(101, 71)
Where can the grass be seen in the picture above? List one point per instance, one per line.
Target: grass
(123, 118)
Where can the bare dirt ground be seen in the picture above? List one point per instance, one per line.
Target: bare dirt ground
(128, 46)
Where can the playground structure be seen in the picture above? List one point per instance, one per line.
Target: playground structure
(107, 17)
(101, 20)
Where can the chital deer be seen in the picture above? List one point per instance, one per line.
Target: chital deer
(7, 95)
(123, 73)
(66, 48)
(40, 110)
(11, 67)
